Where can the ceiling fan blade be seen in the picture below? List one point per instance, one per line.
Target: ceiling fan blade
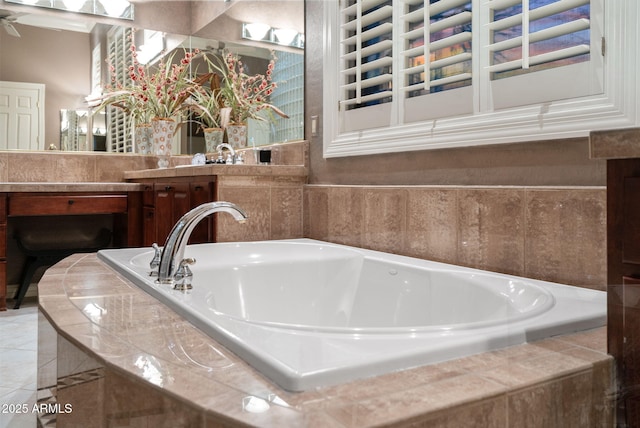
(9, 28)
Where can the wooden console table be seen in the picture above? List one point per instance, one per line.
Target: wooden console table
(123, 200)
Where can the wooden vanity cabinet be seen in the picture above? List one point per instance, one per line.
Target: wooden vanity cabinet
(124, 206)
(166, 201)
(623, 282)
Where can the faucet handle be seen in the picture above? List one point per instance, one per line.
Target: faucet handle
(155, 262)
(183, 276)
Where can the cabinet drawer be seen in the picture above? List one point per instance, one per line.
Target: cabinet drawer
(67, 204)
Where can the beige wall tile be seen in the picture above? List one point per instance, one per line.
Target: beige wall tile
(110, 167)
(486, 414)
(560, 403)
(135, 404)
(286, 212)
(74, 168)
(603, 395)
(565, 236)
(346, 205)
(274, 206)
(316, 213)
(4, 167)
(412, 403)
(256, 201)
(72, 360)
(430, 232)
(289, 154)
(616, 143)
(385, 219)
(47, 353)
(86, 401)
(30, 168)
(490, 229)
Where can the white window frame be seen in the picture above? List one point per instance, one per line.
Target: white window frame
(617, 107)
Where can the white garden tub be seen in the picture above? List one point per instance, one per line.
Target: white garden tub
(308, 313)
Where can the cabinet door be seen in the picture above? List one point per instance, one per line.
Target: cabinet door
(163, 211)
(149, 227)
(181, 200)
(171, 201)
(201, 193)
(148, 195)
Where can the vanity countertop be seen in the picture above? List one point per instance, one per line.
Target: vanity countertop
(218, 169)
(131, 326)
(69, 187)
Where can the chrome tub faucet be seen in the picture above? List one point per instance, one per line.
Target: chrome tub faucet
(173, 268)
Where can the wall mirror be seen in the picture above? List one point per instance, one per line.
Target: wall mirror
(69, 78)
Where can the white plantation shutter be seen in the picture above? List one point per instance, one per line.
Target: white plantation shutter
(446, 26)
(555, 38)
(436, 58)
(427, 73)
(119, 135)
(519, 25)
(118, 132)
(367, 52)
(366, 63)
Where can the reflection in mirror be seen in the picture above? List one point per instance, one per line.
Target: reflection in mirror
(112, 8)
(288, 97)
(70, 78)
(73, 130)
(152, 47)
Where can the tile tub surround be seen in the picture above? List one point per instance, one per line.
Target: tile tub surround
(148, 364)
(550, 233)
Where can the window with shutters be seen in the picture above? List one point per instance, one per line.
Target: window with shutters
(119, 135)
(414, 74)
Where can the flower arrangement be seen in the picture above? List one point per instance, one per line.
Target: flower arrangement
(246, 96)
(164, 90)
(224, 95)
(206, 102)
(158, 91)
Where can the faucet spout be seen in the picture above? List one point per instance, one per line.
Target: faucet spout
(173, 251)
(229, 147)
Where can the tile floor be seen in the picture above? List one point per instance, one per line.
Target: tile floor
(18, 365)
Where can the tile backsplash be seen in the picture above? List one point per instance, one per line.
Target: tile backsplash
(550, 233)
(56, 166)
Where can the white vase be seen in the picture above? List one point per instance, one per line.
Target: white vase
(163, 131)
(213, 138)
(143, 137)
(237, 136)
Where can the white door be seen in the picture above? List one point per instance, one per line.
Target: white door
(21, 116)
